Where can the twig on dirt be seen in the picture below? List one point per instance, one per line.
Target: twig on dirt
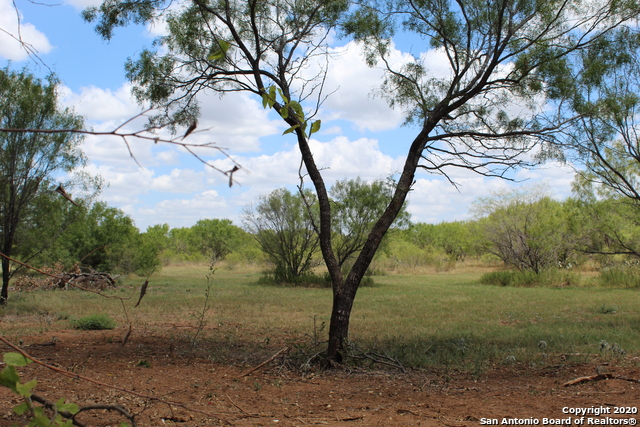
(113, 387)
(599, 377)
(240, 409)
(62, 279)
(116, 408)
(201, 316)
(252, 370)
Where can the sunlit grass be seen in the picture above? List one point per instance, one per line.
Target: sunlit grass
(441, 319)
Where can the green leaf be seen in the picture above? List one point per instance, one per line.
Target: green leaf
(284, 98)
(25, 389)
(291, 129)
(220, 52)
(16, 359)
(9, 378)
(297, 108)
(284, 112)
(315, 127)
(69, 407)
(22, 408)
(269, 97)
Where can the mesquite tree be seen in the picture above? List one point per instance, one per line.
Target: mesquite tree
(507, 60)
(30, 161)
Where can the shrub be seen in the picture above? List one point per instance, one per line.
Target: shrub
(94, 322)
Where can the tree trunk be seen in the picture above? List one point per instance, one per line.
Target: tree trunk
(344, 292)
(339, 326)
(6, 275)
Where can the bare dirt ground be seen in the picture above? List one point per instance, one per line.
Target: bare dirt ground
(218, 394)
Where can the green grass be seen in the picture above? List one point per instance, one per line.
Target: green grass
(438, 320)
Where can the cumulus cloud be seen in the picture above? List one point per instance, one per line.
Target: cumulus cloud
(556, 176)
(100, 105)
(235, 121)
(339, 158)
(434, 199)
(183, 212)
(17, 37)
(83, 4)
(351, 84)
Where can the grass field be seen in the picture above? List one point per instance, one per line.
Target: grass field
(429, 320)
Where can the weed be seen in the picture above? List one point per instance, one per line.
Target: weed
(619, 277)
(200, 316)
(94, 322)
(143, 363)
(607, 309)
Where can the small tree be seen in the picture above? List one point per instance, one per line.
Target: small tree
(527, 230)
(216, 238)
(456, 239)
(281, 224)
(30, 161)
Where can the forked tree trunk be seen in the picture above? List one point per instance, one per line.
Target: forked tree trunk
(345, 289)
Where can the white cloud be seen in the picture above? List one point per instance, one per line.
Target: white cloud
(100, 105)
(350, 83)
(18, 37)
(435, 200)
(339, 158)
(182, 212)
(179, 181)
(556, 176)
(83, 4)
(235, 121)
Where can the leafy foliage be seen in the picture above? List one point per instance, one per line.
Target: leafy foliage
(10, 379)
(94, 322)
(29, 161)
(216, 238)
(508, 61)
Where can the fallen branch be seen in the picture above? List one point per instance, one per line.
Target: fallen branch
(252, 370)
(598, 378)
(68, 415)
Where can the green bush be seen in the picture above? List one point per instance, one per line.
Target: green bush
(94, 322)
(527, 278)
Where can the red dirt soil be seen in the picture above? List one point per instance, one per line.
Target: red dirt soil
(214, 394)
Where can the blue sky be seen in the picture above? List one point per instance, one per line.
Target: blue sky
(360, 136)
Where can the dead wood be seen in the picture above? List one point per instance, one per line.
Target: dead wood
(599, 377)
(252, 370)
